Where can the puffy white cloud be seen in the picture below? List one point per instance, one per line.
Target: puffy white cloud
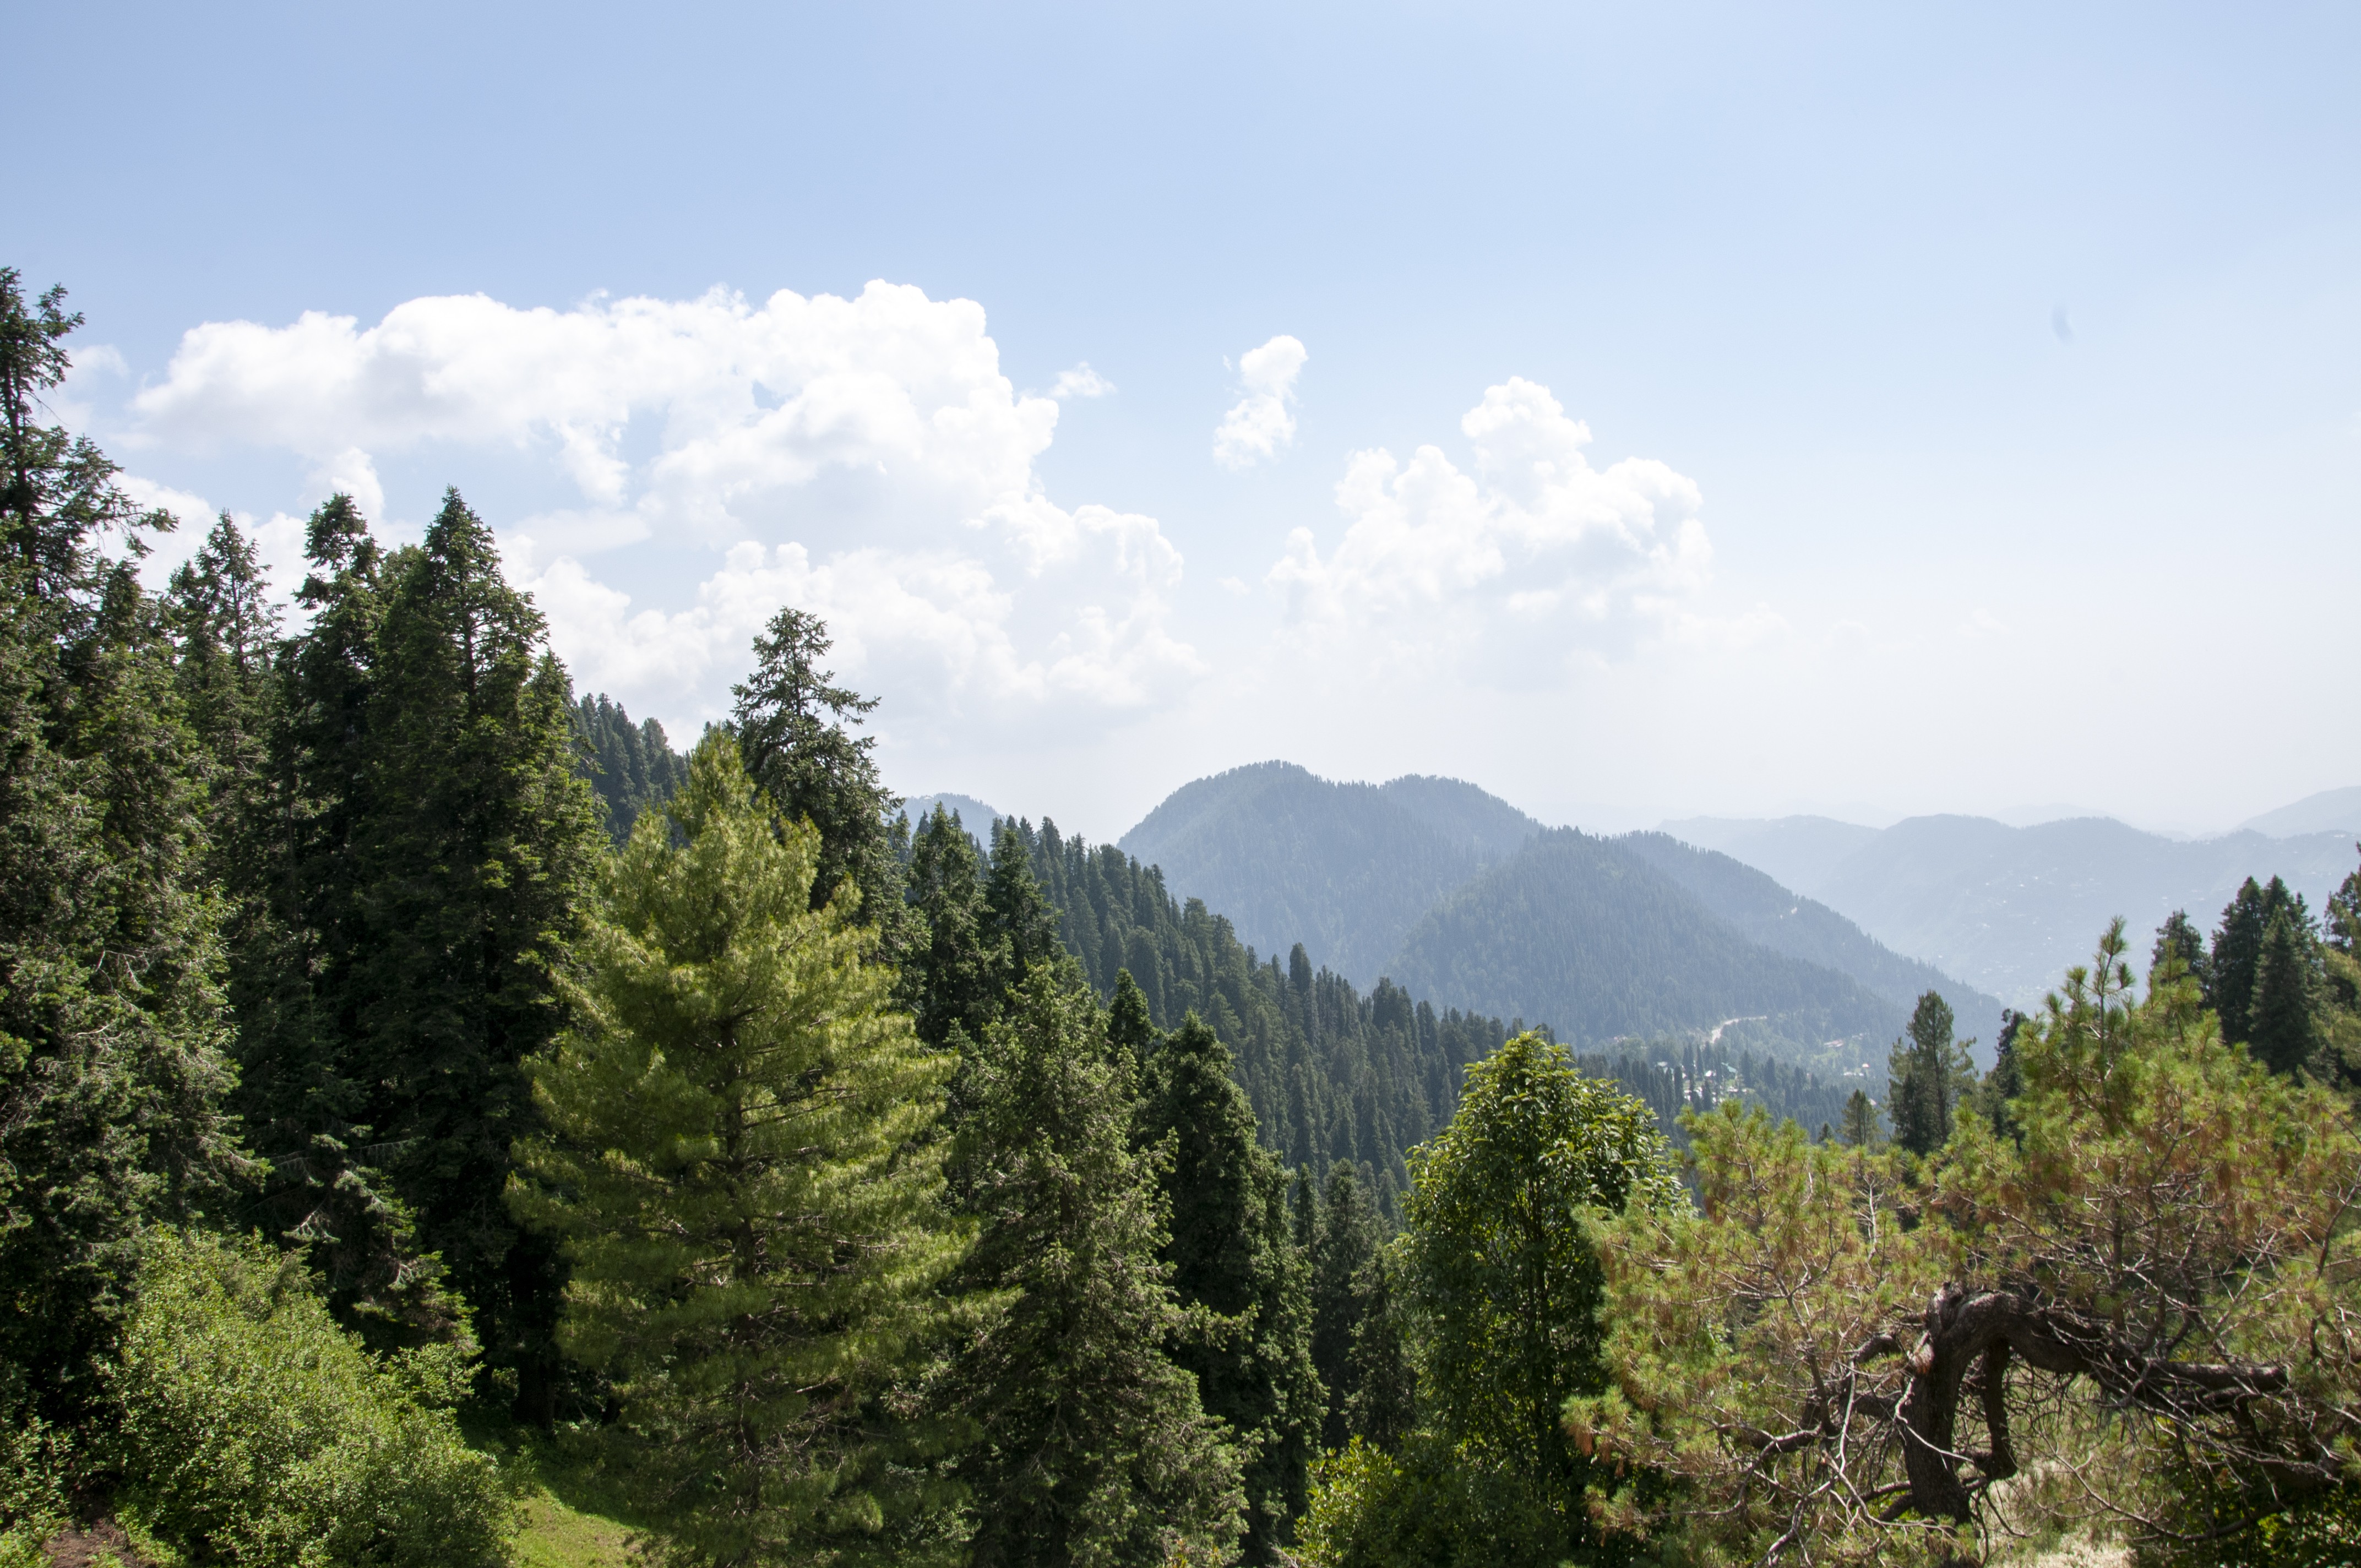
(1261, 423)
(1533, 553)
(1081, 381)
(864, 458)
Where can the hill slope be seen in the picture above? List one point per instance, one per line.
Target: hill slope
(2008, 909)
(1345, 868)
(1804, 929)
(2330, 811)
(1585, 933)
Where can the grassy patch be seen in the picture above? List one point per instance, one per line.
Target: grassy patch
(574, 1516)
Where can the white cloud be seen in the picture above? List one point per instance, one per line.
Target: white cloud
(864, 458)
(1081, 381)
(1533, 554)
(1260, 424)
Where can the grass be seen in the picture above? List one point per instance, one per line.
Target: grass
(573, 1515)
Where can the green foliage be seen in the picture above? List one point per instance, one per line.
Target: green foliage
(1233, 1260)
(1505, 1287)
(112, 1072)
(792, 725)
(740, 1160)
(1860, 1129)
(1333, 1075)
(256, 1431)
(1093, 1448)
(1346, 1233)
(630, 767)
(1928, 1077)
(2178, 940)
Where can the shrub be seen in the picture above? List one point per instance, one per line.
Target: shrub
(256, 1431)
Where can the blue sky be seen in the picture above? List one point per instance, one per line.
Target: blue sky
(1973, 395)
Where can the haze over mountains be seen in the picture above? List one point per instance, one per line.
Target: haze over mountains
(1469, 903)
(2006, 909)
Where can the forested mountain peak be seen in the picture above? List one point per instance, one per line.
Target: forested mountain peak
(1343, 868)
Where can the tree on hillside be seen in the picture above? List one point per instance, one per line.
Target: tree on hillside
(2237, 949)
(1234, 1259)
(2180, 939)
(1347, 1235)
(2169, 1241)
(111, 1072)
(1859, 1129)
(738, 1156)
(2282, 1013)
(1093, 1447)
(631, 767)
(795, 727)
(1928, 1076)
(950, 980)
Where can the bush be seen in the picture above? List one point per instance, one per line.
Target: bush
(256, 1431)
(32, 1487)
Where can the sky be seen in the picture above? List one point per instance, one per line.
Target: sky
(1640, 413)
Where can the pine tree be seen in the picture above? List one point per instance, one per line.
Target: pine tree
(1129, 1022)
(630, 767)
(1383, 1406)
(739, 1155)
(111, 1072)
(1928, 1076)
(2238, 950)
(1344, 1278)
(2180, 939)
(1093, 1448)
(1232, 1258)
(950, 975)
(793, 725)
(2283, 1024)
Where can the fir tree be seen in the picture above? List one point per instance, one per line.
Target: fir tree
(795, 727)
(1093, 1448)
(950, 976)
(2238, 950)
(1232, 1258)
(1129, 1027)
(2180, 939)
(630, 767)
(1927, 1078)
(738, 1155)
(1345, 1277)
(2282, 1014)
(1383, 1406)
(111, 1072)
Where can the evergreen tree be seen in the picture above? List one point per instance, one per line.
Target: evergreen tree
(2283, 1028)
(1383, 1406)
(111, 1072)
(1234, 1259)
(629, 767)
(738, 1155)
(1927, 1078)
(2179, 939)
(792, 724)
(1093, 1446)
(2238, 950)
(951, 978)
(1507, 1287)
(1129, 1022)
(1995, 1097)
(1343, 1247)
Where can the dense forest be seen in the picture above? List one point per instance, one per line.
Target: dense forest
(442, 1126)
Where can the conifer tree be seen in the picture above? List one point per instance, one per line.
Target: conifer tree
(738, 1157)
(1859, 1129)
(2180, 939)
(2282, 1015)
(1093, 1446)
(795, 727)
(1383, 1405)
(1928, 1077)
(630, 767)
(2238, 950)
(1129, 1024)
(1232, 1258)
(1345, 1279)
(112, 1074)
(950, 976)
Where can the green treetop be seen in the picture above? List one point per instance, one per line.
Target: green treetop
(738, 1156)
(1928, 1077)
(1094, 1448)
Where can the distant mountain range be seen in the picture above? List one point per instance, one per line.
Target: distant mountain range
(1468, 902)
(2008, 909)
(974, 815)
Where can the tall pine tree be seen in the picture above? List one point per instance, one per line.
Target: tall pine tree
(1234, 1258)
(739, 1155)
(1093, 1447)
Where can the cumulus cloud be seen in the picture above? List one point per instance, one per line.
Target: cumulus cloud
(1261, 423)
(1535, 552)
(864, 458)
(1081, 381)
